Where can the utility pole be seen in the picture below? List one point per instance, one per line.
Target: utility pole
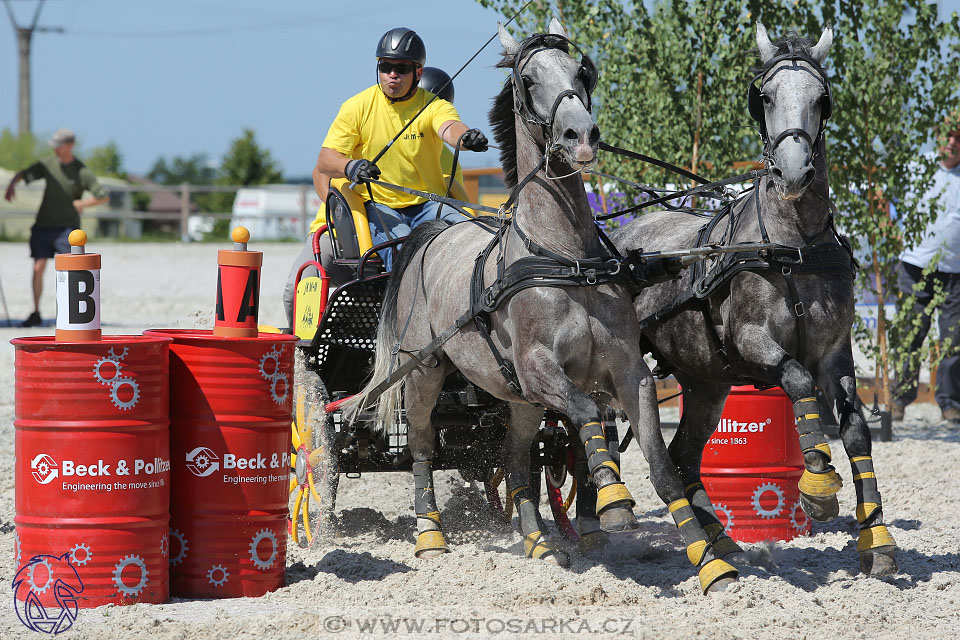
(24, 35)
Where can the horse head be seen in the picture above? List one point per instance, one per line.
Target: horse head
(553, 90)
(791, 105)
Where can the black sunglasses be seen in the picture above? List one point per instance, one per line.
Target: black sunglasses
(401, 68)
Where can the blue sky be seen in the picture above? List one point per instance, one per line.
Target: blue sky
(177, 77)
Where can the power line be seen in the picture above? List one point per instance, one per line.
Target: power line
(186, 33)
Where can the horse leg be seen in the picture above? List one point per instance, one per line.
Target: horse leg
(875, 545)
(525, 421)
(637, 394)
(702, 407)
(819, 483)
(545, 382)
(592, 536)
(421, 390)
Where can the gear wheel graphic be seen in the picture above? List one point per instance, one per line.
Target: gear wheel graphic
(727, 513)
(766, 514)
(46, 585)
(177, 559)
(213, 571)
(201, 461)
(114, 356)
(799, 525)
(119, 383)
(277, 398)
(263, 534)
(118, 575)
(165, 545)
(274, 367)
(86, 554)
(43, 468)
(98, 370)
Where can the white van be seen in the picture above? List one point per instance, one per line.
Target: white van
(275, 212)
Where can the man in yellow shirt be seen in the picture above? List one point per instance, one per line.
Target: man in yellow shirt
(368, 122)
(433, 80)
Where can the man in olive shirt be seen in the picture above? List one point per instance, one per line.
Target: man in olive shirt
(67, 178)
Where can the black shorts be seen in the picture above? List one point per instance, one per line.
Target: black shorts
(45, 242)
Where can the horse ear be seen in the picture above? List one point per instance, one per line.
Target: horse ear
(510, 45)
(767, 50)
(556, 28)
(820, 50)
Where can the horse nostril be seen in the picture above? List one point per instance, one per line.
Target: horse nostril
(570, 134)
(594, 134)
(777, 173)
(807, 178)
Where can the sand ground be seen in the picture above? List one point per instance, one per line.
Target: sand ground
(365, 580)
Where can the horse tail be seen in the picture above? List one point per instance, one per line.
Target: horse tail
(385, 359)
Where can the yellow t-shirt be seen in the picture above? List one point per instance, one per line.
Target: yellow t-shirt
(368, 121)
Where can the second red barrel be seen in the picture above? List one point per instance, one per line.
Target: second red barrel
(230, 408)
(751, 466)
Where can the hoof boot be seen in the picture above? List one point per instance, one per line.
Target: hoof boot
(879, 562)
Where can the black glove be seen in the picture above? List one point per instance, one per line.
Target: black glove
(473, 140)
(361, 170)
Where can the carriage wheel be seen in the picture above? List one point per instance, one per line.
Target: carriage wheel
(309, 461)
(557, 477)
(498, 499)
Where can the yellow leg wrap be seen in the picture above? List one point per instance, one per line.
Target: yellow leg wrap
(820, 484)
(713, 571)
(725, 546)
(874, 537)
(611, 464)
(825, 448)
(433, 516)
(536, 546)
(865, 510)
(613, 493)
(678, 504)
(696, 551)
(430, 541)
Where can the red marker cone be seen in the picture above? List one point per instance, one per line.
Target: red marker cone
(238, 289)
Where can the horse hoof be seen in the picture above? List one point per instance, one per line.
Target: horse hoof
(720, 585)
(879, 562)
(616, 519)
(429, 554)
(558, 558)
(820, 508)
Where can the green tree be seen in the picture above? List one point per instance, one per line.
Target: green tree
(106, 161)
(19, 151)
(194, 169)
(245, 163)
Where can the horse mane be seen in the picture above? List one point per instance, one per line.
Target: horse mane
(503, 125)
(783, 45)
(501, 119)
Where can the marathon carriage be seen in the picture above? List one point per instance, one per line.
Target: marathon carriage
(336, 316)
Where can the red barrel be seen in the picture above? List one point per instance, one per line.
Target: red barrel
(751, 466)
(92, 470)
(230, 411)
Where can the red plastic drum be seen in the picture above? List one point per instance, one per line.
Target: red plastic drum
(751, 466)
(92, 470)
(230, 412)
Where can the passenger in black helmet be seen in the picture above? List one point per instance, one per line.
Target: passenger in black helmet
(367, 123)
(437, 81)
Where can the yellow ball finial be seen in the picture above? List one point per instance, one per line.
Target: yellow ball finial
(77, 238)
(241, 234)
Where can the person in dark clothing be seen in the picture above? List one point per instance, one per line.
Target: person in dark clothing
(66, 181)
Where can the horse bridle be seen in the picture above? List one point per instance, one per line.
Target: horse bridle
(521, 97)
(755, 101)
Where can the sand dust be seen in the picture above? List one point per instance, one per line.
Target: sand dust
(365, 582)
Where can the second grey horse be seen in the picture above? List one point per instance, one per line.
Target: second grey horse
(784, 321)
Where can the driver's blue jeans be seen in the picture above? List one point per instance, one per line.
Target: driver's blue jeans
(399, 222)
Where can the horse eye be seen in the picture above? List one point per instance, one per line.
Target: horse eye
(767, 100)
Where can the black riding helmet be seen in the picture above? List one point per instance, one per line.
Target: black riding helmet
(402, 43)
(437, 81)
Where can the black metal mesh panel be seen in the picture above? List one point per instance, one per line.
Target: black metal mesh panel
(347, 333)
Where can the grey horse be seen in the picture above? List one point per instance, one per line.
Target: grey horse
(571, 346)
(785, 323)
